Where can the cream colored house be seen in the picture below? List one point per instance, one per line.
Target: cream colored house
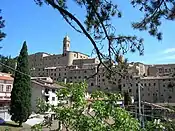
(44, 88)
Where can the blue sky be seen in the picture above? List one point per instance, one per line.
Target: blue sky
(43, 28)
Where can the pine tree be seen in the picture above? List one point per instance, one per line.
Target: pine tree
(20, 107)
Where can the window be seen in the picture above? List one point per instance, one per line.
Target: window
(85, 71)
(53, 98)
(53, 90)
(123, 85)
(130, 90)
(75, 77)
(46, 98)
(169, 97)
(154, 84)
(149, 84)
(85, 77)
(145, 84)
(79, 77)
(148, 94)
(136, 84)
(1, 88)
(92, 84)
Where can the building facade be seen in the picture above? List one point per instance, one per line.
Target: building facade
(43, 88)
(72, 66)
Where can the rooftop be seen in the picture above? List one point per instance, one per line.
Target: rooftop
(6, 78)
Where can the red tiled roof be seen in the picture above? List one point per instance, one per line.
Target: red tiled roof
(6, 78)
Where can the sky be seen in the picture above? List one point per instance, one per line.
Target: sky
(43, 29)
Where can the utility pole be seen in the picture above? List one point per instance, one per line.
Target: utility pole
(143, 118)
(140, 117)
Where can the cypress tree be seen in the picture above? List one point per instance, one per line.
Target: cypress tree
(20, 107)
(127, 98)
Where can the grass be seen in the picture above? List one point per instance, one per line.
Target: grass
(11, 126)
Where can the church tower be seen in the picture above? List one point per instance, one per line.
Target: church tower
(66, 44)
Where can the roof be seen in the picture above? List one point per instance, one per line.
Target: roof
(6, 78)
(46, 85)
(78, 52)
(158, 77)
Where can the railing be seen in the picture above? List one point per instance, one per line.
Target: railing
(4, 108)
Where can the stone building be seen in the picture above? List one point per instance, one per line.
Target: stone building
(72, 66)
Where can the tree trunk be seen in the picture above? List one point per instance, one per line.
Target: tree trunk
(20, 124)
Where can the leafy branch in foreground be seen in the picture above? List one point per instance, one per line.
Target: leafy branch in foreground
(98, 28)
(100, 112)
(154, 13)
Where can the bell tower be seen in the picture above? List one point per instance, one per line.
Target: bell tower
(66, 44)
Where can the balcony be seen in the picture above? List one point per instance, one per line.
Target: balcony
(5, 96)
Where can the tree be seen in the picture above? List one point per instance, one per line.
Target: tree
(20, 107)
(7, 64)
(2, 25)
(42, 106)
(99, 29)
(99, 113)
(127, 98)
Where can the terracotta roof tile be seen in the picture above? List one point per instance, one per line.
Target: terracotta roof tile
(6, 78)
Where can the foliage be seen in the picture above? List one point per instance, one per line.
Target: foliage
(42, 106)
(8, 62)
(2, 25)
(20, 107)
(169, 125)
(154, 12)
(98, 28)
(127, 98)
(37, 127)
(100, 112)
(156, 125)
(101, 32)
